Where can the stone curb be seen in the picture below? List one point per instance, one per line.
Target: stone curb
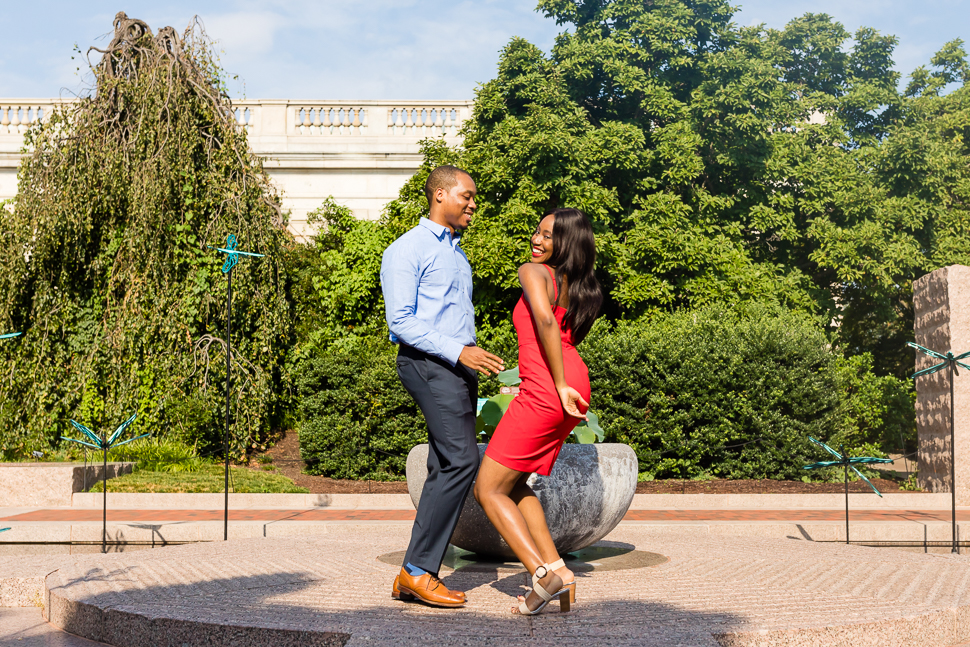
(122, 627)
(125, 500)
(901, 500)
(121, 500)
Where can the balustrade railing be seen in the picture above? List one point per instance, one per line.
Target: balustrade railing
(327, 119)
(16, 116)
(244, 116)
(378, 119)
(425, 121)
(305, 119)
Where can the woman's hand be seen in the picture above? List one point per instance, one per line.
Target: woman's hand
(573, 403)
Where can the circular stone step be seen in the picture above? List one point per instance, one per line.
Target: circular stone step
(333, 589)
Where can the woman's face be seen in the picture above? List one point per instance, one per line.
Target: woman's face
(542, 240)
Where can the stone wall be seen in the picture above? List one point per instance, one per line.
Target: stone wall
(51, 484)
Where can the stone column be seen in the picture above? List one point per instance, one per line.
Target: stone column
(941, 305)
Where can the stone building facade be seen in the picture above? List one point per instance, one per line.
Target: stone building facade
(360, 152)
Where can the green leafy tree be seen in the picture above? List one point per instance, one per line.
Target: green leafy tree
(723, 165)
(720, 164)
(106, 267)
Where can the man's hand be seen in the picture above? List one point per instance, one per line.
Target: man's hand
(573, 403)
(482, 361)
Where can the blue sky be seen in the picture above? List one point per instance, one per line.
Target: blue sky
(383, 49)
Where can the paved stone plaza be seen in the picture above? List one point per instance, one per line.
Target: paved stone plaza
(679, 589)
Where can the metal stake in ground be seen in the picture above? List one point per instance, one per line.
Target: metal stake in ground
(847, 463)
(232, 257)
(949, 362)
(104, 443)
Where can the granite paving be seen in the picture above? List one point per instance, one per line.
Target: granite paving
(27, 628)
(331, 589)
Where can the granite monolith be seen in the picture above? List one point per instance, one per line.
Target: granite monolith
(941, 308)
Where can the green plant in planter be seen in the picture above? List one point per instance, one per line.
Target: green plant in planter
(491, 410)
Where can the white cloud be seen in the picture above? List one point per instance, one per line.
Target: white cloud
(245, 34)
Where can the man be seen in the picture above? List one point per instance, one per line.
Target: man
(427, 285)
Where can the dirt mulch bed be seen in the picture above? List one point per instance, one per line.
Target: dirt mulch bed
(286, 461)
(765, 486)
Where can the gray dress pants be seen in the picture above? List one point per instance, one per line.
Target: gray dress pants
(448, 398)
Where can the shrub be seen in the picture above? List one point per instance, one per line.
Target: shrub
(357, 421)
(731, 393)
(160, 455)
(878, 411)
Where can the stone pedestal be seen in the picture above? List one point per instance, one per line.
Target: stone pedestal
(589, 490)
(941, 304)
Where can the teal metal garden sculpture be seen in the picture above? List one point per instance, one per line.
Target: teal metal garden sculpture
(847, 462)
(950, 362)
(104, 443)
(232, 257)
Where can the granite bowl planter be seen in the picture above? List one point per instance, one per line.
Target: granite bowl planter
(590, 489)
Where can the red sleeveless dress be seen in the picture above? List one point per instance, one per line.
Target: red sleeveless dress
(533, 429)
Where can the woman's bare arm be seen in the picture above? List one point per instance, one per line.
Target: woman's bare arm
(535, 282)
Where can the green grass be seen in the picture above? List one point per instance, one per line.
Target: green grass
(210, 478)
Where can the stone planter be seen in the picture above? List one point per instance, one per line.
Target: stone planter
(590, 489)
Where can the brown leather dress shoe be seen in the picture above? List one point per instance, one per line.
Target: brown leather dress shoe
(396, 590)
(427, 588)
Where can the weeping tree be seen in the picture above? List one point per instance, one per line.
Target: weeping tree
(106, 266)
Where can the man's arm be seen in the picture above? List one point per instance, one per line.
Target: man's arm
(400, 272)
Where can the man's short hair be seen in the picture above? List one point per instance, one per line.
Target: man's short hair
(443, 177)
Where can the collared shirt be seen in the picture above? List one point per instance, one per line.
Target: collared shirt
(427, 285)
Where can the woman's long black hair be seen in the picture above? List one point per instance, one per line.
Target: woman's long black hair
(574, 256)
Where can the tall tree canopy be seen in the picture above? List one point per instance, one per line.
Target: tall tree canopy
(722, 163)
(106, 267)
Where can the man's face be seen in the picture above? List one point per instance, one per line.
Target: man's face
(458, 203)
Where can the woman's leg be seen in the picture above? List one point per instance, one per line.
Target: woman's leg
(535, 518)
(492, 489)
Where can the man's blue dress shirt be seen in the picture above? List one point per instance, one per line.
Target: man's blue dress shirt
(427, 284)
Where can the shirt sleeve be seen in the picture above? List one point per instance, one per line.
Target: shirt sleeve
(400, 273)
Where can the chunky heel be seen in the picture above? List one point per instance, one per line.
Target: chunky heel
(565, 605)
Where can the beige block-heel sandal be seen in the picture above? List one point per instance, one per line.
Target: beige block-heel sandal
(546, 596)
(570, 586)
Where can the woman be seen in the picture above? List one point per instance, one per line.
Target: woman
(560, 300)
